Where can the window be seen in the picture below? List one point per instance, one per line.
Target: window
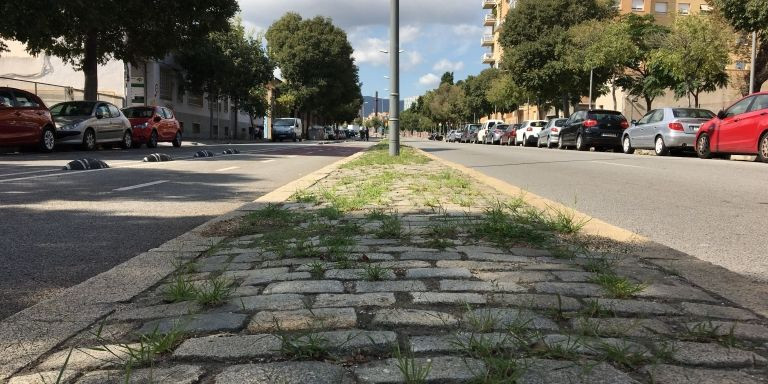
(24, 100)
(114, 111)
(657, 116)
(6, 99)
(638, 5)
(168, 113)
(661, 7)
(102, 110)
(166, 84)
(761, 102)
(739, 108)
(684, 8)
(688, 113)
(195, 100)
(646, 118)
(706, 8)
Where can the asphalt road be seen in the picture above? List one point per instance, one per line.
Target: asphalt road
(60, 228)
(715, 210)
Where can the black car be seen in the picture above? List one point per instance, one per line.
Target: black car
(597, 128)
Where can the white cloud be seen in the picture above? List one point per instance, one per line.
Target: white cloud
(468, 30)
(429, 80)
(409, 33)
(446, 65)
(367, 51)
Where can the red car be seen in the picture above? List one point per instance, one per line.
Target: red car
(25, 120)
(508, 138)
(741, 129)
(152, 125)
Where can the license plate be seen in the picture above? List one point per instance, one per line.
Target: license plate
(694, 128)
(610, 135)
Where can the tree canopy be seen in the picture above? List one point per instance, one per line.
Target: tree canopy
(87, 33)
(315, 59)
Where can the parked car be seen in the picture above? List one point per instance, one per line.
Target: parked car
(25, 120)
(665, 130)
(597, 128)
(470, 133)
(742, 129)
(528, 134)
(494, 134)
(451, 136)
(508, 137)
(91, 123)
(484, 129)
(437, 136)
(550, 134)
(151, 125)
(287, 128)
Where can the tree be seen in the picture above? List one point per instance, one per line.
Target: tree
(315, 58)
(535, 39)
(447, 78)
(476, 91)
(448, 104)
(695, 55)
(504, 94)
(86, 33)
(229, 64)
(749, 16)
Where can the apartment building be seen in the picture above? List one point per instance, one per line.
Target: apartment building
(664, 11)
(492, 23)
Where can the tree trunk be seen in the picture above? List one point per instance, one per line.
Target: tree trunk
(91, 66)
(210, 110)
(566, 106)
(648, 103)
(696, 99)
(613, 94)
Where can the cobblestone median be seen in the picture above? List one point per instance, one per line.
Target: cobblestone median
(411, 273)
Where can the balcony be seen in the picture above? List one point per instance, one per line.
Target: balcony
(488, 58)
(490, 4)
(487, 41)
(489, 20)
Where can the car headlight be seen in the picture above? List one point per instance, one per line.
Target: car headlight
(141, 126)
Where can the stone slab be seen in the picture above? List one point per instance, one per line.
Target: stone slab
(87, 358)
(48, 377)
(321, 318)
(429, 273)
(180, 374)
(389, 286)
(156, 311)
(714, 355)
(504, 318)
(201, 323)
(278, 302)
(413, 317)
(443, 369)
(355, 274)
(536, 301)
(459, 342)
(305, 286)
(567, 372)
(674, 292)
(222, 347)
(478, 265)
(480, 286)
(672, 374)
(515, 277)
(621, 327)
(718, 311)
(637, 307)
(430, 256)
(377, 299)
(738, 330)
(572, 289)
(447, 298)
(295, 372)
(349, 342)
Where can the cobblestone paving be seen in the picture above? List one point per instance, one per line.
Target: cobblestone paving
(395, 274)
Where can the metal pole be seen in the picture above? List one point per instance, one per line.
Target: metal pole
(394, 64)
(591, 79)
(752, 66)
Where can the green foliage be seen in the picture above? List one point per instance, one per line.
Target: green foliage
(374, 273)
(378, 155)
(695, 55)
(447, 78)
(310, 346)
(317, 269)
(180, 289)
(476, 91)
(413, 371)
(315, 58)
(448, 103)
(744, 15)
(617, 287)
(214, 292)
(86, 34)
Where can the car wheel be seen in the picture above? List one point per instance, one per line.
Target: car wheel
(89, 140)
(127, 140)
(48, 141)
(560, 144)
(177, 140)
(626, 146)
(660, 147)
(580, 146)
(703, 149)
(152, 143)
(762, 150)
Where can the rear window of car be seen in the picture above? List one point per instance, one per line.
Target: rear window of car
(538, 123)
(606, 116)
(77, 108)
(284, 122)
(689, 113)
(140, 112)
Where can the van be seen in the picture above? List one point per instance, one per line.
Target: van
(287, 128)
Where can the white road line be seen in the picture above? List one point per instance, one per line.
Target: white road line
(620, 165)
(140, 186)
(291, 156)
(30, 172)
(226, 169)
(267, 161)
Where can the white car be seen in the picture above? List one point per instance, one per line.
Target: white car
(484, 129)
(528, 133)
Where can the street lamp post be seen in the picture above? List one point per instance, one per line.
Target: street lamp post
(591, 84)
(394, 64)
(752, 66)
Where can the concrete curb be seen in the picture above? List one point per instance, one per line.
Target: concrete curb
(716, 279)
(28, 335)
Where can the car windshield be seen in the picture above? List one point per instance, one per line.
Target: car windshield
(284, 122)
(78, 108)
(606, 116)
(139, 112)
(689, 113)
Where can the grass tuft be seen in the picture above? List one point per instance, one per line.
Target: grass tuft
(617, 287)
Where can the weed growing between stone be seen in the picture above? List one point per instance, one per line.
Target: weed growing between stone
(413, 371)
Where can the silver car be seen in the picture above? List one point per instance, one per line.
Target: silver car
(665, 130)
(550, 136)
(90, 123)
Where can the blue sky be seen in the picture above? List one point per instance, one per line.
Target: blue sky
(436, 35)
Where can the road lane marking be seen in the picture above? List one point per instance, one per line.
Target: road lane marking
(140, 186)
(291, 156)
(30, 172)
(617, 164)
(226, 169)
(267, 161)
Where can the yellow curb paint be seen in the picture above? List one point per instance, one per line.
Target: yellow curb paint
(594, 226)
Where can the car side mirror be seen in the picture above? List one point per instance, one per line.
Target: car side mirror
(721, 115)
(634, 122)
(157, 119)
(100, 115)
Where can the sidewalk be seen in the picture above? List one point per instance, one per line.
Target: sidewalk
(412, 272)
